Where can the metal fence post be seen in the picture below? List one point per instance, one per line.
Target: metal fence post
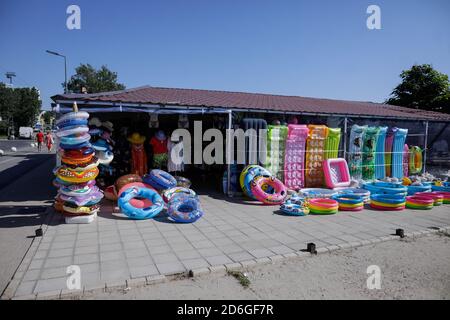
(229, 136)
(345, 138)
(425, 148)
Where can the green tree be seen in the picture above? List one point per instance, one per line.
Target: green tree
(92, 80)
(422, 87)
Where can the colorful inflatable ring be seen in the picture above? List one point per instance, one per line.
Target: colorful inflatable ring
(137, 202)
(251, 172)
(74, 146)
(388, 198)
(436, 196)
(77, 177)
(440, 188)
(77, 161)
(387, 205)
(183, 182)
(73, 115)
(415, 160)
(68, 208)
(318, 193)
(243, 174)
(128, 178)
(386, 208)
(385, 188)
(160, 179)
(71, 131)
(414, 189)
(445, 195)
(419, 202)
(78, 154)
(58, 183)
(105, 157)
(93, 163)
(111, 193)
(76, 190)
(140, 213)
(75, 140)
(294, 209)
(185, 209)
(348, 198)
(363, 193)
(279, 190)
(323, 206)
(91, 198)
(72, 123)
(176, 191)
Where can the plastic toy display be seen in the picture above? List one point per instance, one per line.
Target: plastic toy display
(297, 208)
(349, 202)
(380, 169)
(436, 196)
(276, 144)
(388, 150)
(415, 160)
(336, 173)
(355, 151)
(419, 202)
(380, 187)
(184, 209)
(332, 143)
(388, 202)
(364, 194)
(317, 193)
(248, 174)
(294, 177)
(445, 196)
(413, 189)
(260, 183)
(157, 203)
(370, 140)
(177, 191)
(323, 206)
(405, 160)
(160, 179)
(315, 152)
(397, 152)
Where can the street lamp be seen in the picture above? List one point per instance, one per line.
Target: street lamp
(65, 67)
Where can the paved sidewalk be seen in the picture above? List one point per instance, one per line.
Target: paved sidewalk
(115, 249)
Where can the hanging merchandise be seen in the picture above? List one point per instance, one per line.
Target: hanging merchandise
(183, 121)
(175, 155)
(355, 151)
(380, 169)
(332, 143)
(315, 152)
(388, 150)
(415, 160)
(397, 152)
(294, 161)
(103, 144)
(276, 144)
(159, 145)
(370, 140)
(405, 161)
(153, 122)
(254, 143)
(138, 155)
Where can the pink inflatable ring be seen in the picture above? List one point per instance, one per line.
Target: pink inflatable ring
(279, 190)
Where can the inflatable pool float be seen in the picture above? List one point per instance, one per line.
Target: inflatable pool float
(294, 209)
(440, 188)
(279, 190)
(388, 202)
(137, 202)
(76, 190)
(71, 209)
(315, 152)
(72, 123)
(78, 154)
(58, 183)
(294, 160)
(74, 146)
(248, 174)
(94, 162)
(177, 191)
(80, 115)
(140, 213)
(380, 169)
(111, 193)
(75, 140)
(370, 140)
(105, 157)
(91, 198)
(332, 143)
(436, 196)
(349, 202)
(72, 131)
(397, 152)
(101, 145)
(363, 193)
(336, 173)
(95, 132)
(317, 193)
(419, 202)
(184, 209)
(160, 179)
(355, 151)
(276, 145)
(323, 206)
(388, 150)
(415, 160)
(445, 195)
(77, 161)
(414, 189)
(183, 182)
(380, 187)
(254, 140)
(128, 178)
(77, 177)
(405, 161)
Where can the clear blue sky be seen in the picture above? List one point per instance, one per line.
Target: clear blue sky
(307, 48)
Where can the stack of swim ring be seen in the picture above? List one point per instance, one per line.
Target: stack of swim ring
(160, 180)
(78, 197)
(248, 174)
(176, 191)
(437, 197)
(103, 144)
(445, 196)
(388, 202)
(380, 187)
(184, 208)
(413, 189)
(440, 188)
(155, 203)
(364, 194)
(323, 206)
(349, 202)
(183, 182)
(295, 208)
(419, 202)
(278, 191)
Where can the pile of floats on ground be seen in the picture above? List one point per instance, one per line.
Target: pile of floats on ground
(138, 197)
(414, 192)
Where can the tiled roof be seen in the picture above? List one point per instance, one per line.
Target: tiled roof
(252, 101)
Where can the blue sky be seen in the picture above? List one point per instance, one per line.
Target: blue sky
(307, 48)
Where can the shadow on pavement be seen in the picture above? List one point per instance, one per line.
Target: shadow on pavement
(15, 217)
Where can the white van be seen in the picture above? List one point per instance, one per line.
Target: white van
(25, 132)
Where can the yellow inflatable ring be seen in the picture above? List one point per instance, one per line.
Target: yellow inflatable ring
(77, 177)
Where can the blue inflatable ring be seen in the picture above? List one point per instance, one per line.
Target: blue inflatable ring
(441, 188)
(74, 146)
(140, 213)
(75, 140)
(160, 179)
(414, 189)
(72, 123)
(251, 174)
(184, 209)
(385, 188)
(348, 198)
(388, 198)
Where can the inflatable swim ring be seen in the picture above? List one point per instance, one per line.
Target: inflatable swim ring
(247, 176)
(185, 209)
(91, 198)
(419, 202)
(75, 139)
(77, 177)
(74, 146)
(349, 202)
(70, 209)
(436, 196)
(160, 179)
(323, 206)
(414, 189)
(279, 190)
(94, 162)
(72, 123)
(72, 116)
(140, 213)
(137, 202)
(105, 157)
(183, 182)
(72, 131)
(128, 178)
(294, 208)
(177, 191)
(385, 188)
(387, 201)
(81, 189)
(415, 160)
(365, 194)
(317, 193)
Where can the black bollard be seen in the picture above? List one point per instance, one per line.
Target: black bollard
(400, 233)
(38, 232)
(311, 248)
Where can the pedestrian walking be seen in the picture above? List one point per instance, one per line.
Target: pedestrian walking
(49, 140)
(40, 140)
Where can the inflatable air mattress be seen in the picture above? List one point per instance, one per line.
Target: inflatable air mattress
(368, 159)
(332, 143)
(397, 152)
(315, 153)
(415, 160)
(294, 177)
(276, 143)
(388, 151)
(355, 151)
(380, 169)
(253, 141)
(405, 161)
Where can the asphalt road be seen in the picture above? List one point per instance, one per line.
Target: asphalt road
(25, 192)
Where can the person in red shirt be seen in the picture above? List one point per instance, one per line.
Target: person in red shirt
(39, 139)
(49, 140)
(159, 145)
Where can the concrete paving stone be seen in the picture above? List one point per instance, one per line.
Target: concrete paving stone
(56, 272)
(113, 265)
(112, 255)
(233, 266)
(159, 249)
(85, 250)
(218, 260)
(152, 235)
(40, 254)
(231, 248)
(86, 243)
(187, 254)
(62, 238)
(31, 275)
(332, 240)
(260, 253)
(139, 261)
(110, 247)
(132, 239)
(58, 262)
(50, 285)
(128, 245)
(196, 272)
(209, 252)
(109, 240)
(164, 257)
(195, 263)
(202, 244)
(63, 245)
(155, 242)
(168, 268)
(282, 249)
(134, 253)
(348, 238)
(87, 236)
(85, 258)
(143, 271)
(113, 276)
(240, 256)
(44, 246)
(224, 241)
(108, 234)
(56, 253)
(91, 280)
(181, 246)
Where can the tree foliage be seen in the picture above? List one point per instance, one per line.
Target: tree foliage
(101, 80)
(422, 87)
